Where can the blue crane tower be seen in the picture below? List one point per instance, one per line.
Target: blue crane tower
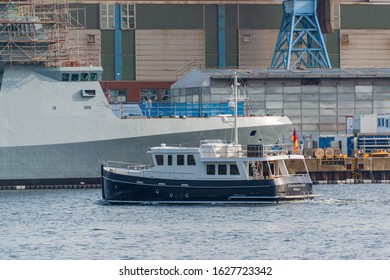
(300, 43)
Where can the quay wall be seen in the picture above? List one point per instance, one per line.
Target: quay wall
(345, 170)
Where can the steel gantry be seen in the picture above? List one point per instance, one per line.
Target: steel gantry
(300, 43)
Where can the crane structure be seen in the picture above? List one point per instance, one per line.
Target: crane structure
(300, 43)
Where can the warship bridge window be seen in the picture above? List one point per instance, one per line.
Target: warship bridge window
(84, 77)
(191, 160)
(93, 76)
(222, 169)
(65, 77)
(74, 77)
(160, 159)
(210, 169)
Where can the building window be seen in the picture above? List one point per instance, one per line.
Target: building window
(210, 169)
(91, 38)
(336, 16)
(149, 94)
(118, 96)
(180, 159)
(190, 160)
(127, 16)
(160, 159)
(107, 16)
(246, 38)
(165, 95)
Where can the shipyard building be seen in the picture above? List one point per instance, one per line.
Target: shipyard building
(145, 47)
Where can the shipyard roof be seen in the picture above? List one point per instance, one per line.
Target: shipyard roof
(203, 77)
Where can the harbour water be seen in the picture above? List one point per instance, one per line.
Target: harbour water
(348, 222)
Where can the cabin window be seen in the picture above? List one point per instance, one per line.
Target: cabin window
(222, 169)
(272, 168)
(234, 169)
(190, 160)
(169, 159)
(180, 160)
(160, 159)
(210, 169)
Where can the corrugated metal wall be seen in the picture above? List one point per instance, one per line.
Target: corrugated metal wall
(256, 47)
(365, 48)
(164, 54)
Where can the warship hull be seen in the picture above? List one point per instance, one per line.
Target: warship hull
(51, 132)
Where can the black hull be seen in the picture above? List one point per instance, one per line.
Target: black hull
(123, 189)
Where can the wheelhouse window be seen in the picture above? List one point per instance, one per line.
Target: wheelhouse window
(234, 169)
(222, 169)
(191, 160)
(169, 159)
(160, 159)
(210, 169)
(180, 160)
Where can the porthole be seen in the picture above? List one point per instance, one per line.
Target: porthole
(187, 195)
(171, 194)
(157, 191)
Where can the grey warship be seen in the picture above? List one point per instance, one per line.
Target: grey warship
(56, 124)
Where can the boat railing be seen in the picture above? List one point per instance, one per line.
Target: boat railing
(118, 165)
(219, 150)
(175, 109)
(145, 169)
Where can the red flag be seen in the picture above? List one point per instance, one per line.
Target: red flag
(294, 139)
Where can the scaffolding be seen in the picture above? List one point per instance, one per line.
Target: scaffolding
(36, 31)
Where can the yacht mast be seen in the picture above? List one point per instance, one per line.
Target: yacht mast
(235, 109)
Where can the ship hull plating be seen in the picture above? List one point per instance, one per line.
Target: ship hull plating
(125, 189)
